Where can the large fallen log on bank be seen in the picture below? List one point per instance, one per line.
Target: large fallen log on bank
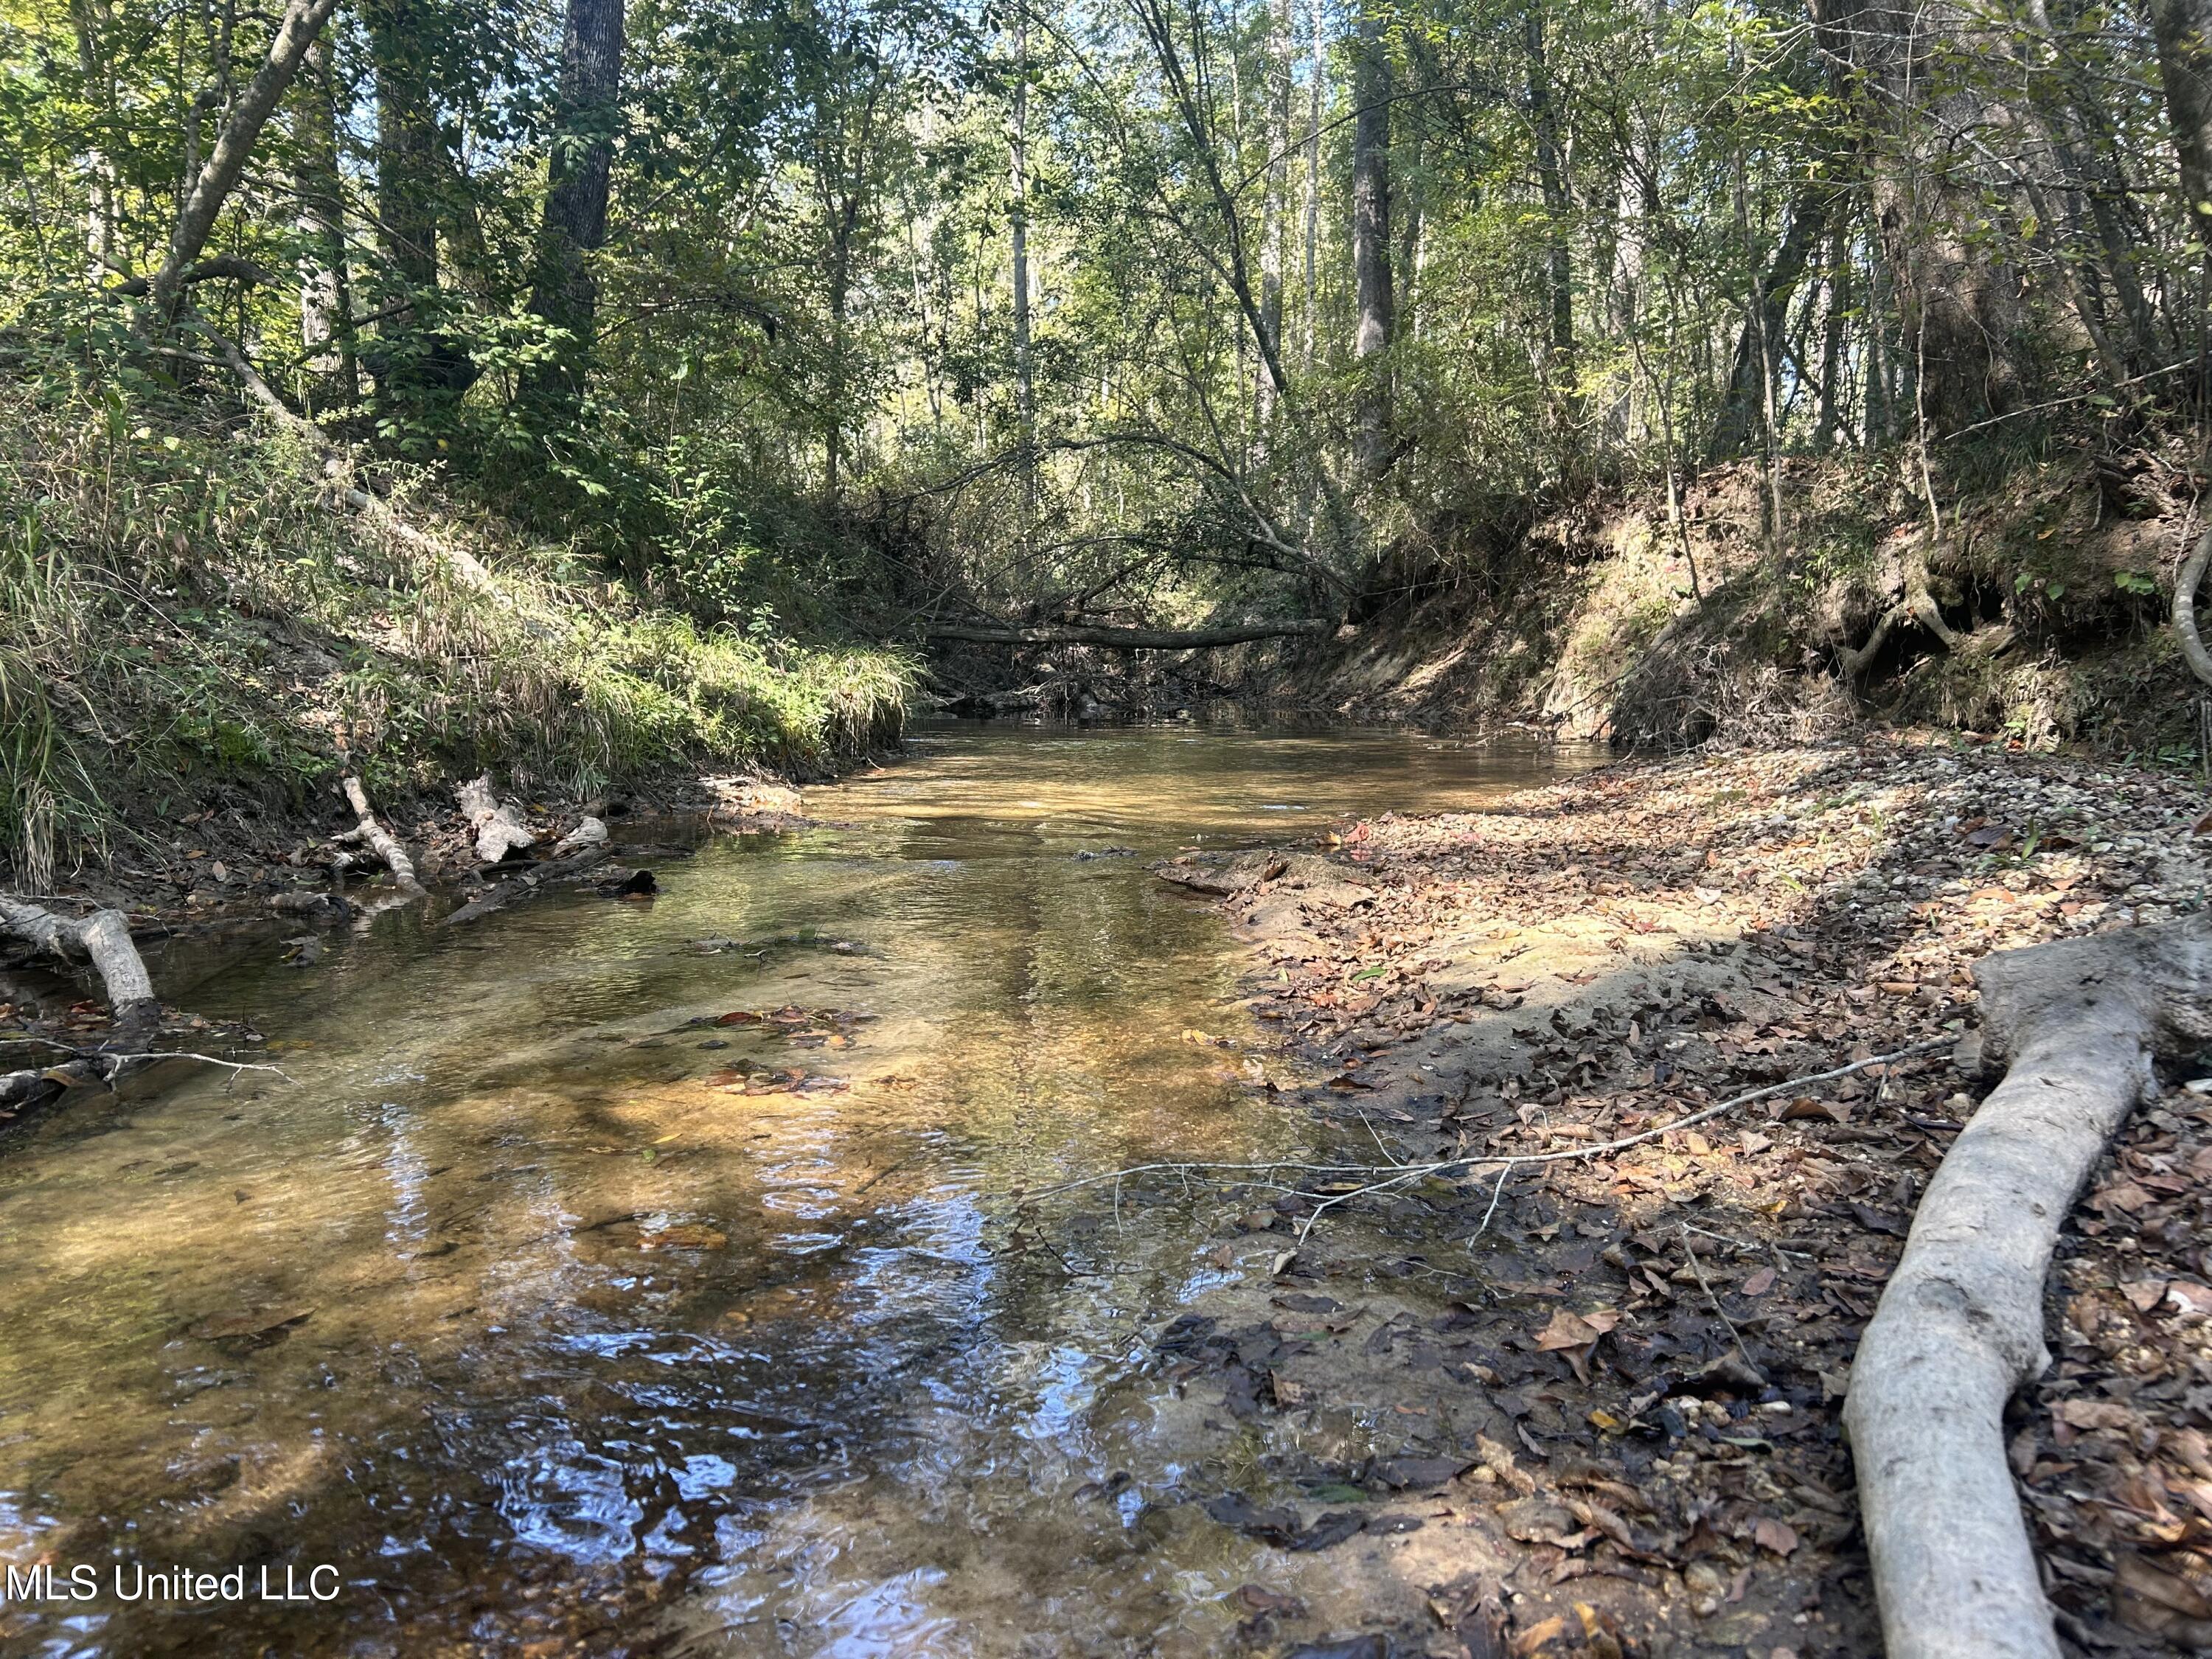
(1960, 1324)
(1128, 639)
(104, 938)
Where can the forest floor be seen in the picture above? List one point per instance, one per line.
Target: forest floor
(1594, 1408)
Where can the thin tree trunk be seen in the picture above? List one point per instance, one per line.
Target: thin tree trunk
(1551, 177)
(1317, 98)
(90, 18)
(1758, 342)
(1024, 372)
(1275, 211)
(296, 32)
(564, 292)
(1371, 86)
(325, 297)
(2184, 32)
(1831, 333)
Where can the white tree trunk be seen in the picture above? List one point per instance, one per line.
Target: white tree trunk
(1960, 1323)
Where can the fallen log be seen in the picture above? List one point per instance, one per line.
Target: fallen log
(1960, 1326)
(1129, 639)
(499, 826)
(380, 839)
(531, 880)
(104, 936)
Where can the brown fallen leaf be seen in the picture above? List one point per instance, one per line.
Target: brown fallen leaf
(1573, 1330)
(1538, 1635)
(1759, 1283)
(1777, 1537)
(248, 1322)
(1258, 1598)
(683, 1235)
(2145, 1293)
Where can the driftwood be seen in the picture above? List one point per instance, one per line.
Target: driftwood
(499, 826)
(1129, 639)
(532, 879)
(369, 829)
(591, 832)
(105, 937)
(1960, 1324)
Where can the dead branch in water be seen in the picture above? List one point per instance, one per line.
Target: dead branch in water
(386, 846)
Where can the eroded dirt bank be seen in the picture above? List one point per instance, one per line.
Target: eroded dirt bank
(1595, 1410)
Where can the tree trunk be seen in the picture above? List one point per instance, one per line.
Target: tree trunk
(564, 292)
(325, 297)
(1371, 87)
(1958, 303)
(1754, 367)
(1019, 210)
(382, 841)
(1127, 639)
(104, 936)
(302, 22)
(2184, 32)
(409, 359)
(1275, 211)
(498, 824)
(1551, 177)
(1316, 97)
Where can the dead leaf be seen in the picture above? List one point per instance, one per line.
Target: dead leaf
(1759, 1283)
(2145, 1293)
(1777, 1537)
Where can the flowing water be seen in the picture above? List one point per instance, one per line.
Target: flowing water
(545, 1314)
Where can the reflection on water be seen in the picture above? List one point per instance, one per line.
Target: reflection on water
(550, 1311)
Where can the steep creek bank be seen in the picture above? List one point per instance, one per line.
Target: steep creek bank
(1613, 1382)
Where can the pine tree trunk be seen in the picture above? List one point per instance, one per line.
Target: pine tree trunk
(1274, 211)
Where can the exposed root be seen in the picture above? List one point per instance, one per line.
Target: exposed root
(1960, 1323)
(2185, 584)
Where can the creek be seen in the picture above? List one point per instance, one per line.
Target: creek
(550, 1305)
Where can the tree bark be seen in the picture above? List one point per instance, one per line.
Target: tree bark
(1558, 262)
(296, 30)
(1316, 97)
(410, 361)
(325, 292)
(1371, 235)
(2182, 29)
(564, 291)
(1018, 231)
(2185, 584)
(1754, 369)
(1275, 210)
(1958, 302)
(1128, 639)
(1960, 1323)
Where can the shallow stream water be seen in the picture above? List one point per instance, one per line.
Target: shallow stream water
(548, 1314)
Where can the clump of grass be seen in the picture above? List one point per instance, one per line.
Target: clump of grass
(185, 619)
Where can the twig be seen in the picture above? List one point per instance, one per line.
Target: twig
(1721, 1313)
(1397, 1174)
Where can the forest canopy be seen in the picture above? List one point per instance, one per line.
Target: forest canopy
(884, 315)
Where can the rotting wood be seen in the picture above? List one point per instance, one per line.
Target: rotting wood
(1129, 639)
(531, 880)
(381, 839)
(104, 936)
(499, 826)
(1960, 1326)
